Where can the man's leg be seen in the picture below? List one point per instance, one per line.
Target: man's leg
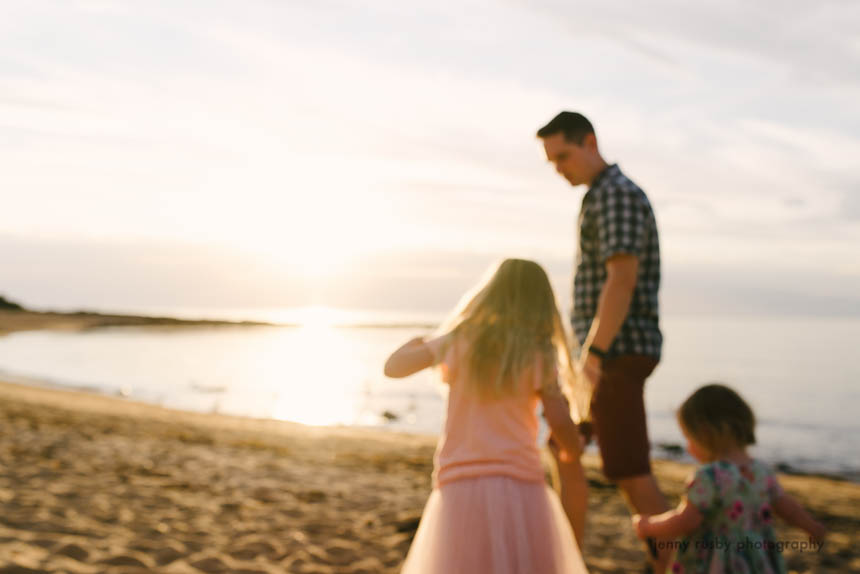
(618, 413)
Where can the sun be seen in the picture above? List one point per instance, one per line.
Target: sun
(321, 235)
(317, 317)
(322, 217)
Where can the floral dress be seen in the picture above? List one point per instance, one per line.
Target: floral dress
(736, 535)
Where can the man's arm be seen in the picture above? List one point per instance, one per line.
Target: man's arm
(614, 302)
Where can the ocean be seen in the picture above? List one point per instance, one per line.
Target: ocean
(798, 373)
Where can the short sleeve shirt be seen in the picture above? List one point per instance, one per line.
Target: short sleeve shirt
(486, 437)
(736, 533)
(616, 218)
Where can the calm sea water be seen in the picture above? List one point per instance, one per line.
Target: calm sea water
(800, 375)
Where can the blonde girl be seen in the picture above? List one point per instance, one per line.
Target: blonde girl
(502, 351)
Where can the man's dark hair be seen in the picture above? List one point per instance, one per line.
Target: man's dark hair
(573, 125)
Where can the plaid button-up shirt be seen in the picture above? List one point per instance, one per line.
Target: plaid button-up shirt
(616, 217)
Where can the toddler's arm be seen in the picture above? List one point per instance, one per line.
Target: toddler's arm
(787, 508)
(410, 358)
(671, 524)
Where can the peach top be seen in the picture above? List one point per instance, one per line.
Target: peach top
(486, 436)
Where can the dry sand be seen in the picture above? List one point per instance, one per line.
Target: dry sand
(90, 483)
(100, 484)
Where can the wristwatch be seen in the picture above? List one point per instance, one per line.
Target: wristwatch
(597, 352)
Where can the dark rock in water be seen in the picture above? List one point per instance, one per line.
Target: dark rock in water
(671, 448)
(601, 484)
(390, 416)
(8, 305)
(200, 388)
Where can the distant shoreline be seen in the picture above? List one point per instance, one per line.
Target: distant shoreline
(29, 320)
(26, 320)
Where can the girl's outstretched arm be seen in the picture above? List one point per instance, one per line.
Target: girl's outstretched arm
(787, 508)
(671, 524)
(413, 356)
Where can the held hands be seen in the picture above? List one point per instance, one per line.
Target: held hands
(563, 455)
(557, 452)
(641, 525)
(589, 368)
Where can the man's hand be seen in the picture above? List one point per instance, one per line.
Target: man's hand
(590, 368)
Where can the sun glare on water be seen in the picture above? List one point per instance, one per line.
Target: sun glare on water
(322, 386)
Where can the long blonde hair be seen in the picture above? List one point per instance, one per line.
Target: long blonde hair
(509, 318)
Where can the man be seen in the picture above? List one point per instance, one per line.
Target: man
(615, 307)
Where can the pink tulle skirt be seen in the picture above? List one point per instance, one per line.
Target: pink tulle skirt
(493, 524)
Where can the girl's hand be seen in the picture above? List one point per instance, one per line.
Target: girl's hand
(640, 525)
(589, 369)
(558, 452)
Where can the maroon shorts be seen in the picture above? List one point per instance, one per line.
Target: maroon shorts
(618, 416)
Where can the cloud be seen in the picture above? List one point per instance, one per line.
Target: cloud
(413, 126)
(813, 41)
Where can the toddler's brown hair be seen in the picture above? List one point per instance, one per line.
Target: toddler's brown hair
(718, 418)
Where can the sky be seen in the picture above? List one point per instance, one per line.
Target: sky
(380, 155)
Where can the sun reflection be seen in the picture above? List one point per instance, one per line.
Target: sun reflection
(321, 388)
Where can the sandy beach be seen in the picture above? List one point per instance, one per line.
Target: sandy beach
(92, 483)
